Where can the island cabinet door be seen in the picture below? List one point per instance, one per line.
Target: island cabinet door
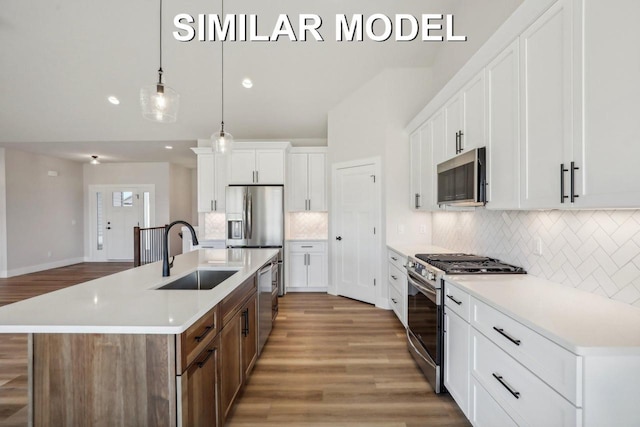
(200, 389)
(231, 375)
(249, 336)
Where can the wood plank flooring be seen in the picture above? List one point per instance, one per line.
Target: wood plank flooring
(13, 347)
(332, 361)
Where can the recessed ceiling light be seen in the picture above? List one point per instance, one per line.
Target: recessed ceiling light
(247, 83)
(112, 99)
(168, 147)
(94, 160)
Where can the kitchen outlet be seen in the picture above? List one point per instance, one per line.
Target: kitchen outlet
(400, 228)
(537, 247)
(423, 229)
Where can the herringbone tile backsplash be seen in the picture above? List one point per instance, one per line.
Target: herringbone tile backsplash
(597, 251)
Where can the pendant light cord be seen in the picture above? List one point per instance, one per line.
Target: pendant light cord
(222, 66)
(160, 38)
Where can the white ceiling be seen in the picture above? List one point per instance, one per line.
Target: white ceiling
(62, 58)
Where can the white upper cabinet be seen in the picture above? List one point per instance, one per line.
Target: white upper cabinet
(473, 94)
(453, 111)
(211, 176)
(547, 109)
(251, 165)
(427, 177)
(416, 170)
(503, 150)
(306, 181)
(610, 147)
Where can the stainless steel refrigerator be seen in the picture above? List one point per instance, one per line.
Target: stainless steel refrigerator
(255, 219)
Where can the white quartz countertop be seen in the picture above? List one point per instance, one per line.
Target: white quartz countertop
(579, 321)
(413, 249)
(129, 302)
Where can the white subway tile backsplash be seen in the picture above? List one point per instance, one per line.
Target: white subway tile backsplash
(598, 251)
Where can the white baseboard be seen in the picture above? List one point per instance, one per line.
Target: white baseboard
(293, 289)
(34, 268)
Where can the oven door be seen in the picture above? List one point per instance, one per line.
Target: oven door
(424, 316)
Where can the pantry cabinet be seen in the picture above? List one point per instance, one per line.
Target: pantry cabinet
(306, 180)
(211, 180)
(307, 266)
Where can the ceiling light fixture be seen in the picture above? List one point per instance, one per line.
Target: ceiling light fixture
(159, 102)
(247, 83)
(222, 141)
(112, 99)
(94, 160)
(168, 147)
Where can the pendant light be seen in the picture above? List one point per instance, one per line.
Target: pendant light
(222, 141)
(159, 102)
(94, 160)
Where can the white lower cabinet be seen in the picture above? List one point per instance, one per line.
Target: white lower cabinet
(456, 359)
(397, 282)
(307, 266)
(484, 411)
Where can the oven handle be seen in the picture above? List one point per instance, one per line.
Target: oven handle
(422, 287)
(426, 359)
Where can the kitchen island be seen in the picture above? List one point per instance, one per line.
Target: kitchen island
(119, 351)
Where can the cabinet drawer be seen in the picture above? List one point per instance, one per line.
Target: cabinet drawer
(192, 341)
(484, 411)
(307, 247)
(558, 367)
(397, 303)
(396, 259)
(397, 278)
(234, 301)
(527, 399)
(457, 300)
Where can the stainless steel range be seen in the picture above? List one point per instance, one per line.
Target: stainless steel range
(425, 305)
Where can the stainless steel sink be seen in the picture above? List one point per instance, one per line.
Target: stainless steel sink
(200, 280)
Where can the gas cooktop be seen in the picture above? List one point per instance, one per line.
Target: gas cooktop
(469, 264)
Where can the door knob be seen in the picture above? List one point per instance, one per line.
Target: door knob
(339, 238)
(108, 228)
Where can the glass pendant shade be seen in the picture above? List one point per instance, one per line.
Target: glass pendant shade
(222, 141)
(159, 103)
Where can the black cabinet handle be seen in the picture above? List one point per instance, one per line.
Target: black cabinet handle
(210, 353)
(339, 238)
(457, 142)
(574, 168)
(461, 149)
(515, 394)
(507, 336)
(562, 171)
(245, 328)
(394, 300)
(394, 277)
(206, 330)
(394, 258)
(454, 300)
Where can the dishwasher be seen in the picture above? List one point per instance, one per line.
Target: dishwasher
(265, 321)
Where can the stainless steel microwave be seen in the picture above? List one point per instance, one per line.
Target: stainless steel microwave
(462, 180)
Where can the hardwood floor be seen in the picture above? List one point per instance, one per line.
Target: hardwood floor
(13, 347)
(332, 361)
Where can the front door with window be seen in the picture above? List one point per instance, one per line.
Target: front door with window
(124, 210)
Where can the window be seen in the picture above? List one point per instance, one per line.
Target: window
(99, 220)
(122, 199)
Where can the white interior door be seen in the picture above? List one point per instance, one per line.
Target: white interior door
(356, 213)
(123, 212)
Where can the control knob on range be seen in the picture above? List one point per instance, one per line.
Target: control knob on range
(409, 264)
(431, 276)
(423, 273)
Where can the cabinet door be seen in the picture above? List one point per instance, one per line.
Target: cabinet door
(206, 189)
(503, 150)
(546, 108)
(243, 166)
(249, 317)
(610, 176)
(427, 176)
(456, 363)
(220, 182)
(297, 270)
(316, 270)
(297, 182)
(270, 167)
(416, 170)
(474, 114)
(200, 395)
(317, 182)
(438, 149)
(484, 411)
(231, 376)
(453, 125)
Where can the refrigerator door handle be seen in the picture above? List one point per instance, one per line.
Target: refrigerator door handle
(249, 216)
(244, 215)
